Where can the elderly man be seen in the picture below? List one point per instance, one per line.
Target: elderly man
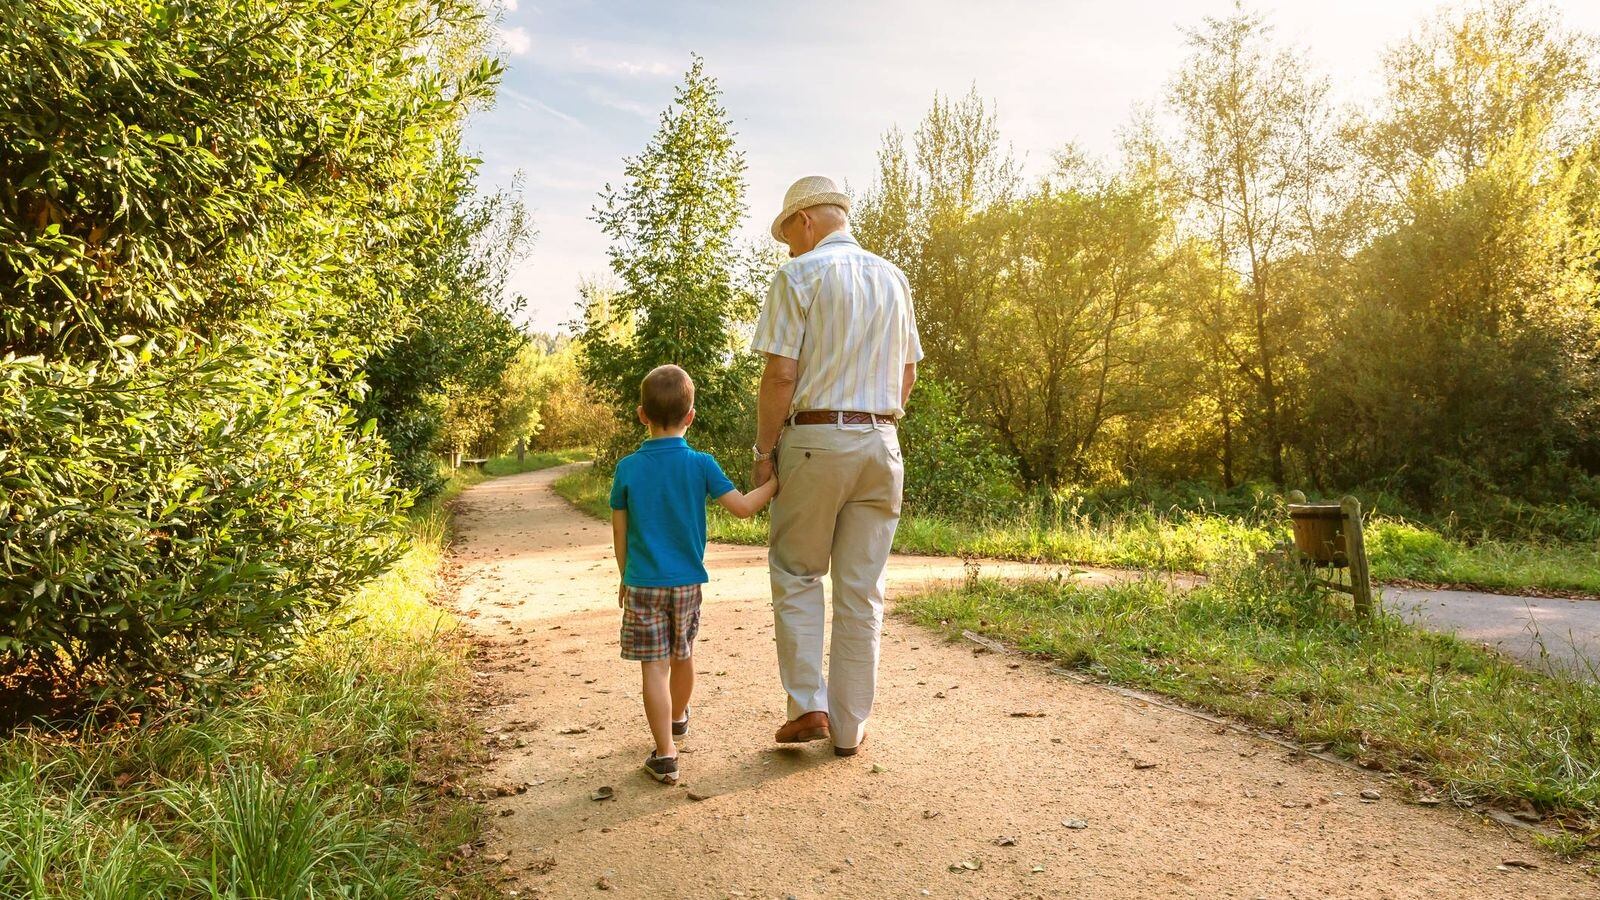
(842, 349)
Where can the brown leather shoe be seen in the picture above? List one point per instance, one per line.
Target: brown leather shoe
(813, 726)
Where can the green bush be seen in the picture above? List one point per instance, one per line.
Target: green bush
(1252, 503)
(215, 218)
(952, 467)
(166, 530)
(324, 782)
(1406, 547)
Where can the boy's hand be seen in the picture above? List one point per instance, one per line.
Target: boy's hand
(622, 596)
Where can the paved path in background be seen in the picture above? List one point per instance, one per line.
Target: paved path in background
(1545, 634)
(975, 760)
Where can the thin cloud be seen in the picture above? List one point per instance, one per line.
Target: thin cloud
(618, 61)
(533, 104)
(614, 101)
(515, 40)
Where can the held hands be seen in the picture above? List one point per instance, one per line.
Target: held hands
(763, 472)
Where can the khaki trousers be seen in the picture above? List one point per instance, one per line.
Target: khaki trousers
(837, 509)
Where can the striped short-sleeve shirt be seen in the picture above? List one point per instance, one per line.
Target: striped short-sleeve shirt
(845, 315)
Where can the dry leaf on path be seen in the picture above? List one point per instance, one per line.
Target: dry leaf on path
(966, 865)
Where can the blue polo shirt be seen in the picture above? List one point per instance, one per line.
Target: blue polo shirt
(664, 486)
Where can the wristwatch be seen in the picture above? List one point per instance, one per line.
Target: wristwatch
(755, 450)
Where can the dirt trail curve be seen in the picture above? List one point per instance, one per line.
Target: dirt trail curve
(950, 776)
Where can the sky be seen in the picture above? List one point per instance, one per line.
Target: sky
(811, 88)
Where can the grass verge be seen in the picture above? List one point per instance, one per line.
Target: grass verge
(1454, 717)
(326, 780)
(1192, 543)
(534, 461)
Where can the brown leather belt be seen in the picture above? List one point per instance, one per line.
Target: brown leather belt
(837, 417)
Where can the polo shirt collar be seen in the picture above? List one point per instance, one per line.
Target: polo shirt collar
(663, 443)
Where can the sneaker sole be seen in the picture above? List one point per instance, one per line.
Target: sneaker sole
(668, 778)
(807, 736)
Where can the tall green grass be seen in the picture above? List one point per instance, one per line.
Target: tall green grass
(320, 782)
(1192, 541)
(1254, 644)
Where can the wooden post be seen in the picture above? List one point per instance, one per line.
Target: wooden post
(522, 450)
(1355, 544)
(1302, 563)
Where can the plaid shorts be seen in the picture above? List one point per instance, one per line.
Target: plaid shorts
(658, 623)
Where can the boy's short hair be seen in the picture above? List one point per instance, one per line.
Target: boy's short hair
(667, 395)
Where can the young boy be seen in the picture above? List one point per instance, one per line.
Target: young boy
(658, 524)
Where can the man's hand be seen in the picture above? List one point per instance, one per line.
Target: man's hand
(622, 596)
(763, 470)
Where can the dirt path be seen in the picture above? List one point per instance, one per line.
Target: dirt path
(948, 773)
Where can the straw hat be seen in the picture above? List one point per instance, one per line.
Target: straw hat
(812, 190)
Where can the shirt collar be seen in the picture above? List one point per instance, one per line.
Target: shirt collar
(842, 236)
(663, 443)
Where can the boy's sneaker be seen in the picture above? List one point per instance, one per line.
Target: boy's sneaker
(662, 768)
(679, 729)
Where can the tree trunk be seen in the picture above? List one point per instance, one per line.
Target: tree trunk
(1269, 387)
(1227, 446)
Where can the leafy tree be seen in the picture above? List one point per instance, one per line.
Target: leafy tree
(568, 412)
(684, 290)
(439, 387)
(926, 213)
(1081, 295)
(1472, 85)
(1252, 156)
(1039, 305)
(169, 528)
(1404, 299)
(1481, 268)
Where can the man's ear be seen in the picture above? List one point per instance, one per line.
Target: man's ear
(643, 419)
(688, 419)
